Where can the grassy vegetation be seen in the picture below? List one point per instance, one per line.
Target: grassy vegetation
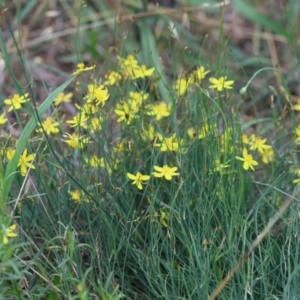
(153, 156)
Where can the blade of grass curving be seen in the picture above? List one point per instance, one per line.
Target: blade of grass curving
(151, 54)
(27, 9)
(252, 14)
(23, 139)
(250, 123)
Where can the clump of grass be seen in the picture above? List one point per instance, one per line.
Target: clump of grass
(150, 190)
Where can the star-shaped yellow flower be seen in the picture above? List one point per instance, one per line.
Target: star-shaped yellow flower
(165, 171)
(248, 160)
(138, 179)
(221, 83)
(25, 162)
(16, 101)
(8, 233)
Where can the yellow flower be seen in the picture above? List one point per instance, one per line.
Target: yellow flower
(199, 74)
(138, 97)
(96, 124)
(149, 134)
(221, 83)
(248, 160)
(3, 119)
(98, 93)
(218, 166)
(16, 101)
(49, 125)
(129, 61)
(78, 196)
(245, 138)
(131, 68)
(25, 162)
(257, 143)
(81, 68)
(165, 171)
(163, 218)
(182, 85)
(191, 132)
(78, 120)
(125, 113)
(159, 110)
(95, 161)
(166, 144)
(267, 156)
(296, 181)
(297, 106)
(138, 179)
(8, 233)
(112, 78)
(88, 108)
(75, 141)
(10, 153)
(141, 72)
(297, 132)
(62, 97)
(206, 129)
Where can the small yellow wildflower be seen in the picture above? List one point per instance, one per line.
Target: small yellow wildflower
(149, 133)
(8, 233)
(138, 97)
(268, 155)
(112, 78)
(138, 179)
(168, 144)
(206, 129)
(245, 139)
(163, 218)
(96, 92)
(25, 162)
(75, 141)
(125, 113)
(95, 161)
(129, 61)
(96, 124)
(165, 171)
(78, 120)
(297, 106)
(191, 132)
(221, 83)
(88, 108)
(248, 160)
(78, 196)
(297, 132)
(142, 72)
(3, 119)
(218, 166)
(296, 181)
(257, 143)
(121, 147)
(10, 153)
(199, 74)
(131, 69)
(182, 85)
(49, 125)
(62, 97)
(159, 110)
(16, 101)
(80, 68)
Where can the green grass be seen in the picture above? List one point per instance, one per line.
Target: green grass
(85, 230)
